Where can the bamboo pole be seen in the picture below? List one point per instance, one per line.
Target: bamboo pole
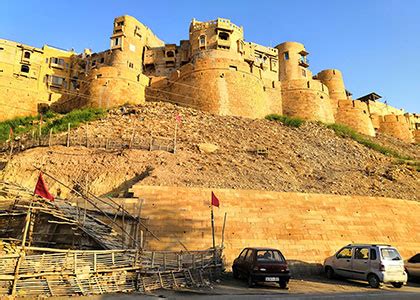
(223, 230)
(49, 138)
(68, 135)
(22, 251)
(87, 199)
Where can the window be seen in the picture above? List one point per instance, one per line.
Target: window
(361, 253)
(202, 41)
(248, 256)
(24, 69)
(224, 36)
(269, 256)
(57, 61)
(130, 65)
(56, 80)
(243, 253)
(344, 253)
(303, 72)
(373, 255)
(27, 55)
(121, 23)
(170, 54)
(286, 55)
(116, 42)
(390, 254)
(93, 63)
(1, 48)
(102, 60)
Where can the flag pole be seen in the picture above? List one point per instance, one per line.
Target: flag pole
(212, 227)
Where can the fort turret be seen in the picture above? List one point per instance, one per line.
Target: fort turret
(302, 96)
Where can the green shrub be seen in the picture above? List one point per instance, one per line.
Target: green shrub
(288, 121)
(51, 120)
(347, 132)
(74, 117)
(19, 125)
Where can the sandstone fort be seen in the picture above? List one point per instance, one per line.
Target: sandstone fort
(214, 70)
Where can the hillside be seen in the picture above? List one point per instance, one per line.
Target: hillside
(311, 158)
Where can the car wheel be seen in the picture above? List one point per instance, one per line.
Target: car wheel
(251, 283)
(330, 272)
(397, 285)
(235, 273)
(374, 281)
(283, 284)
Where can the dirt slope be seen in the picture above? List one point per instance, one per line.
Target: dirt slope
(306, 159)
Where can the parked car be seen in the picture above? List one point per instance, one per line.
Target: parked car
(261, 265)
(375, 263)
(412, 266)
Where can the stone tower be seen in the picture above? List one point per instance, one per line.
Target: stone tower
(116, 77)
(302, 96)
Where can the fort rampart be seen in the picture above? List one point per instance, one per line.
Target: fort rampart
(306, 227)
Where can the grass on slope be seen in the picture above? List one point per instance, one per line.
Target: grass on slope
(347, 132)
(51, 120)
(288, 121)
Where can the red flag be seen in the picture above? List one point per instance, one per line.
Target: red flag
(178, 118)
(214, 200)
(42, 190)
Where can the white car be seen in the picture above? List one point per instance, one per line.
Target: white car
(375, 263)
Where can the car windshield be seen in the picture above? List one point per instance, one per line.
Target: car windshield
(269, 256)
(390, 254)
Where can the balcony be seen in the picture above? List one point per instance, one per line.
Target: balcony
(304, 62)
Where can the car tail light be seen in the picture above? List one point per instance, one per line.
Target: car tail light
(381, 267)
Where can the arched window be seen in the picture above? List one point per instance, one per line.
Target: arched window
(27, 54)
(170, 54)
(202, 41)
(24, 69)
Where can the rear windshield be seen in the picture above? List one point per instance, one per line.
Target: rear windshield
(269, 256)
(390, 254)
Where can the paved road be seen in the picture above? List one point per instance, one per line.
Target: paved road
(308, 288)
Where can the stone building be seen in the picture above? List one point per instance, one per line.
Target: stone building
(214, 70)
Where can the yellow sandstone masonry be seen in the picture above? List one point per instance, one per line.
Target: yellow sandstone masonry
(214, 70)
(306, 227)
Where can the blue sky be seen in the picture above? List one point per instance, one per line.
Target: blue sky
(375, 43)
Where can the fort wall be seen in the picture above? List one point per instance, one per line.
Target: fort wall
(306, 227)
(307, 99)
(222, 86)
(397, 126)
(355, 114)
(333, 79)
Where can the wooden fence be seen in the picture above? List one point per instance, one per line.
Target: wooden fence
(53, 272)
(72, 138)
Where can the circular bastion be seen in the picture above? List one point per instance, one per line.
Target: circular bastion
(355, 114)
(216, 83)
(110, 86)
(307, 99)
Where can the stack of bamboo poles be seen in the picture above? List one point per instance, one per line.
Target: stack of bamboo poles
(53, 272)
(34, 271)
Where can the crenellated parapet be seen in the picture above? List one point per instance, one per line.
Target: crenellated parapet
(397, 126)
(355, 114)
